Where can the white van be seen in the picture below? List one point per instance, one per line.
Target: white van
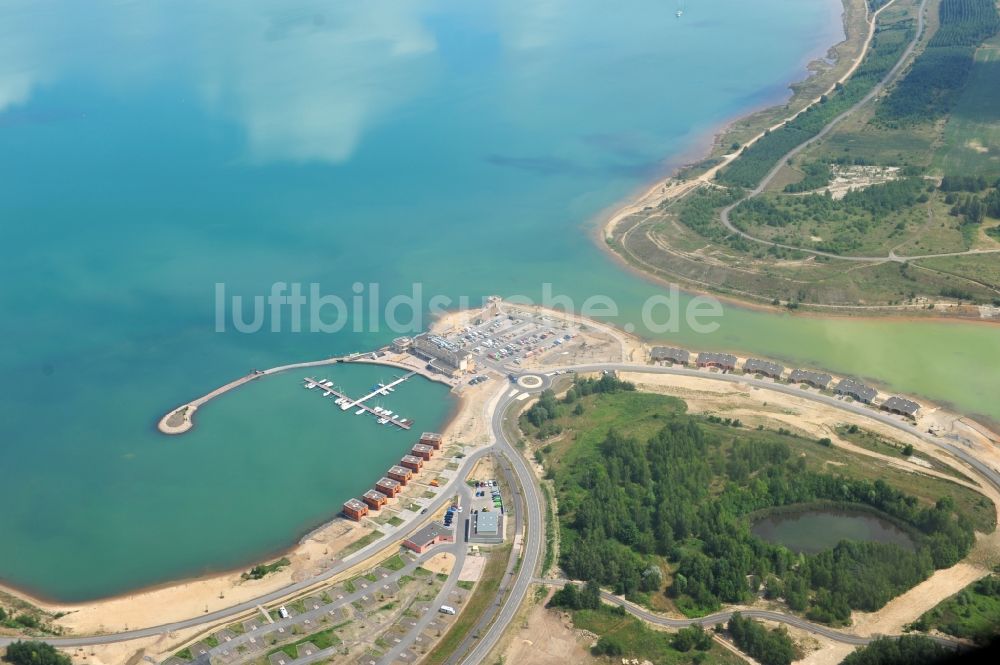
(282, 612)
(446, 609)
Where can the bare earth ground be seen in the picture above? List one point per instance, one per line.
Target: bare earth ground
(544, 637)
(441, 563)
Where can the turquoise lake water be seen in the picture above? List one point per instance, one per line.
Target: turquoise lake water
(149, 151)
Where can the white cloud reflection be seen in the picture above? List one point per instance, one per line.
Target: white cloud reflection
(306, 84)
(305, 80)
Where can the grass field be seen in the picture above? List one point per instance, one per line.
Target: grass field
(642, 642)
(971, 141)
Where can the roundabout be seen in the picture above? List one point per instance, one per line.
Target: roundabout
(532, 381)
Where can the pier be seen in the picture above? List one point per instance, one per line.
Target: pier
(349, 403)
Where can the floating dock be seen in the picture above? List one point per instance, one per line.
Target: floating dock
(348, 403)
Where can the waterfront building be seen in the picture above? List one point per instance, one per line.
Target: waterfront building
(815, 379)
(765, 367)
(355, 509)
(432, 439)
(856, 389)
(401, 474)
(901, 406)
(422, 451)
(443, 356)
(389, 487)
(670, 355)
(411, 462)
(375, 499)
(726, 361)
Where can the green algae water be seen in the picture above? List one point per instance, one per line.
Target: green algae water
(149, 152)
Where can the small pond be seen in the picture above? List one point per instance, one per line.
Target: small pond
(813, 531)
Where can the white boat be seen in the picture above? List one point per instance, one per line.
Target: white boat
(385, 387)
(378, 410)
(338, 401)
(383, 421)
(386, 413)
(327, 393)
(359, 411)
(680, 12)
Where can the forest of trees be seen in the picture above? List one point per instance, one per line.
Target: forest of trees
(685, 496)
(905, 650)
(768, 647)
(927, 91)
(755, 161)
(35, 653)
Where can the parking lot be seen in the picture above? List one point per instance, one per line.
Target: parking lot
(512, 339)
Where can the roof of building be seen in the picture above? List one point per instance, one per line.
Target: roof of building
(411, 458)
(856, 388)
(374, 494)
(902, 405)
(670, 353)
(423, 447)
(757, 365)
(387, 482)
(487, 522)
(431, 436)
(428, 533)
(720, 358)
(807, 376)
(401, 470)
(356, 504)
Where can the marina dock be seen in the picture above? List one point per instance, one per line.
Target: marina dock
(348, 403)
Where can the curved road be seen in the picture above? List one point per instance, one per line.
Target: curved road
(892, 256)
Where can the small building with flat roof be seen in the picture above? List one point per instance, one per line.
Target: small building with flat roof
(355, 509)
(375, 499)
(856, 389)
(400, 474)
(901, 406)
(411, 462)
(422, 451)
(765, 367)
(720, 360)
(670, 354)
(814, 379)
(429, 536)
(432, 439)
(389, 487)
(402, 344)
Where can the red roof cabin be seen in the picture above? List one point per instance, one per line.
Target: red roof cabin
(375, 499)
(411, 462)
(423, 451)
(432, 439)
(389, 487)
(400, 474)
(355, 509)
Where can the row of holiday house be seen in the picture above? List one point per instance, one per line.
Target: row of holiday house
(395, 479)
(846, 386)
